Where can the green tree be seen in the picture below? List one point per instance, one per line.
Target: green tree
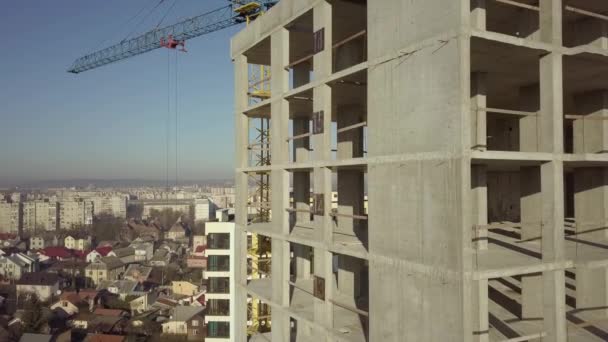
(106, 227)
(167, 217)
(33, 317)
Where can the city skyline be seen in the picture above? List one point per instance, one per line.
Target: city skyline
(109, 123)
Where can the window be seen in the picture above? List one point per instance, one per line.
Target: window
(195, 323)
(194, 332)
(65, 304)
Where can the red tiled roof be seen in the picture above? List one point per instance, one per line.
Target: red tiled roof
(7, 236)
(56, 252)
(201, 299)
(71, 297)
(104, 250)
(108, 312)
(200, 249)
(82, 294)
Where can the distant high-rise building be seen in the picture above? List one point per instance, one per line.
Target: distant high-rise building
(220, 280)
(10, 217)
(204, 210)
(73, 213)
(39, 215)
(115, 205)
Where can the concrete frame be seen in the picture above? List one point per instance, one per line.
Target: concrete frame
(430, 158)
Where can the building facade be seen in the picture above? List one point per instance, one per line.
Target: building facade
(204, 210)
(220, 281)
(480, 143)
(10, 217)
(39, 216)
(75, 213)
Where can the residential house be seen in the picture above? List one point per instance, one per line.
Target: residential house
(184, 288)
(55, 253)
(42, 241)
(198, 240)
(126, 255)
(15, 265)
(69, 268)
(44, 285)
(143, 250)
(196, 261)
(122, 288)
(142, 303)
(77, 243)
(98, 252)
(105, 268)
(161, 258)
(177, 231)
(138, 273)
(69, 302)
(186, 321)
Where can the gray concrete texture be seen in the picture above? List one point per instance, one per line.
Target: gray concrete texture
(438, 168)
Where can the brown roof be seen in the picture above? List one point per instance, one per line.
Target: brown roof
(108, 312)
(39, 278)
(71, 297)
(104, 338)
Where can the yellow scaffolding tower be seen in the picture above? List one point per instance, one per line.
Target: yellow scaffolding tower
(258, 252)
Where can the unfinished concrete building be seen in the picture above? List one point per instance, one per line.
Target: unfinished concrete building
(476, 128)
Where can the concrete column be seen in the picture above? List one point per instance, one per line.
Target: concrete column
(302, 256)
(591, 135)
(479, 197)
(241, 160)
(322, 19)
(529, 131)
(592, 289)
(478, 14)
(349, 276)
(530, 203)
(301, 195)
(301, 146)
(531, 296)
(481, 325)
(591, 204)
(351, 194)
(279, 181)
(280, 289)
(478, 117)
(554, 303)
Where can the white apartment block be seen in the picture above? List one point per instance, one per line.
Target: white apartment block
(10, 217)
(160, 205)
(73, 213)
(39, 215)
(204, 210)
(115, 205)
(220, 281)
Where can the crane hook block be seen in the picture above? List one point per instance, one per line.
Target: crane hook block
(171, 43)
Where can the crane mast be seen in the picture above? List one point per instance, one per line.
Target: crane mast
(172, 36)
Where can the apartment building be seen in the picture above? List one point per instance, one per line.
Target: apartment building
(39, 215)
(182, 206)
(204, 210)
(220, 281)
(476, 128)
(10, 217)
(115, 205)
(75, 213)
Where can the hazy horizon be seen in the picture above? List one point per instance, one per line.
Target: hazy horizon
(111, 122)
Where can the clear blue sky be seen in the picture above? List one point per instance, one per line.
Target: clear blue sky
(109, 123)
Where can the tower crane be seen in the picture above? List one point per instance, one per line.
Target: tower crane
(176, 35)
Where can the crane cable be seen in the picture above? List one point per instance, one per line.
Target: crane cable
(176, 116)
